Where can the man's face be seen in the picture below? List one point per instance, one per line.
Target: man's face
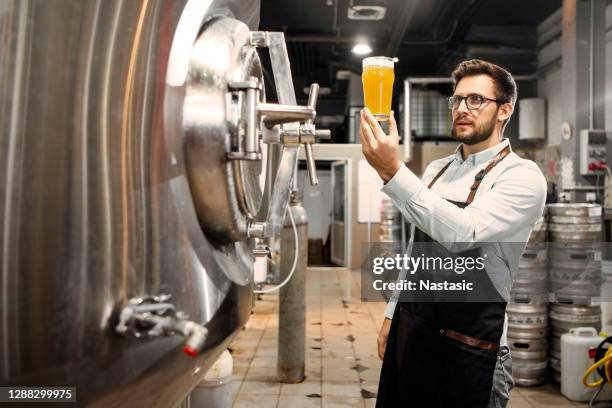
(472, 126)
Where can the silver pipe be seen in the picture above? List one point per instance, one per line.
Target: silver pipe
(310, 164)
(251, 143)
(292, 297)
(274, 114)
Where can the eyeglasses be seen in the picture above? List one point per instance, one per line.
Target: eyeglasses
(472, 101)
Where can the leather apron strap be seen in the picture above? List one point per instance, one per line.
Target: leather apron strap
(479, 176)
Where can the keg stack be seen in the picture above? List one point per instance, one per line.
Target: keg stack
(390, 219)
(530, 285)
(563, 318)
(528, 312)
(574, 268)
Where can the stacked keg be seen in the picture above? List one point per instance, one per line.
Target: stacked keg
(390, 222)
(574, 269)
(528, 312)
(564, 317)
(575, 253)
(527, 327)
(530, 284)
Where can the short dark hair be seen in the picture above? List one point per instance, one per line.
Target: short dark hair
(505, 87)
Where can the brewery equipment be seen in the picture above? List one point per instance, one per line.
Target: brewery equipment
(134, 135)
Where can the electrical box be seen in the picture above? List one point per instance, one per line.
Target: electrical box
(592, 152)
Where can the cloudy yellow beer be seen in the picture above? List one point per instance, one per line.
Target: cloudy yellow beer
(377, 78)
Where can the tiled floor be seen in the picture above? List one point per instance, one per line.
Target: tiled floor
(342, 367)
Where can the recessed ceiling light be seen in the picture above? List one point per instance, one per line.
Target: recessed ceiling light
(361, 49)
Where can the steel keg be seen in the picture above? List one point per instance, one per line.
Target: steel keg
(578, 210)
(565, 317)
(574, 232)
(575, 272)
(527, 321)
(539, 233)
(530, 284)
(579, 222)
(529, 373)
(529, 361)
(527, 329)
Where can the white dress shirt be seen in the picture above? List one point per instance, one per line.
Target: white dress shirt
(506, 206)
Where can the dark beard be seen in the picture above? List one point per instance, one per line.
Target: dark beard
(479, 134)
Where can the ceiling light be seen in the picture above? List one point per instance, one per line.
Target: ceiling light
(361, 49)
(367, 10)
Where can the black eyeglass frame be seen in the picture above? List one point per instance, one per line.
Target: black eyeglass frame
(451, 101)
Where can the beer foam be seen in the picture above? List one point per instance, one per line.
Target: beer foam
(378, 62)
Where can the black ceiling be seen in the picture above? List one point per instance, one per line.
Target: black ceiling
(428, 36)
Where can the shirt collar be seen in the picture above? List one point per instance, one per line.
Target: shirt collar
(484, 156)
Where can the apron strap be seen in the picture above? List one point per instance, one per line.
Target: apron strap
(480, 175)
(440, 173)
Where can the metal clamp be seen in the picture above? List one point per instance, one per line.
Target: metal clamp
(248, 91)
(256, 229)
(261, 251)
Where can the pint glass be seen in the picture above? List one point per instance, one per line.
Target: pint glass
(377, 80)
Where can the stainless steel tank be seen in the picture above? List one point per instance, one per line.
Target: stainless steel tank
(129, 200)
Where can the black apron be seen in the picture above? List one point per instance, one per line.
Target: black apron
(443, 354)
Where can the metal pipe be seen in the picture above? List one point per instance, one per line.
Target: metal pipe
(274, 114)
(251, 140)
(310, 164)
(292, 297)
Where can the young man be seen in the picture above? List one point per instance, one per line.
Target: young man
(472, 203)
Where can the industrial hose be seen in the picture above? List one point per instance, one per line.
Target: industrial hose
(603, 366)
(607, 360)
(295, 259)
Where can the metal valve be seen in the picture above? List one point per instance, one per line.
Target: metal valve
(293, 134)
(309, 134)
(266, 114)
(286, 124)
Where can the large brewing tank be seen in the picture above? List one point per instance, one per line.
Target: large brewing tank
(113, 114)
